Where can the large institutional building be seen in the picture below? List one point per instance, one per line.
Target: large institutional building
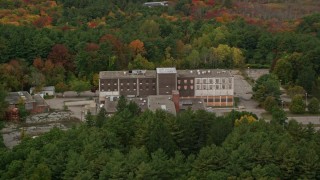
(214, 86)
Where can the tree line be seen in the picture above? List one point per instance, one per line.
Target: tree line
(158, 145)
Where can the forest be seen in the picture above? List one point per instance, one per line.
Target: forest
(158, 145)
(68, 42)
(65, 43)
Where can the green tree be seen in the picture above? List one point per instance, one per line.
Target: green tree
(193, 59)
(89, 119)
(159, 136)
(224, 53)
(295, 90)
(23, 113)
(42, 171)
(101, 117)
(122, 104)
(61, 87)
(140, 62)
(278, 116)
(150, 28)
(266, 85)
(270, 103)
(306, 77)
(3, 102)
(79, 86)
(283, 69)
(313, 106)
(297, 105)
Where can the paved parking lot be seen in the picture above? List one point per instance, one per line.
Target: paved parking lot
(243, 91)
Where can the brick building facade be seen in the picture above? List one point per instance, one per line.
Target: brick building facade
(214, 86)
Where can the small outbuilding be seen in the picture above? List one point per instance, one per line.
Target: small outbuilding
(45, 91)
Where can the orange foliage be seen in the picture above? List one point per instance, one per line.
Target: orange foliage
(48, 65)
(219, 19)
(43, 21)
(168, 17)
(38, 63)
(92, 24)
(137, 47)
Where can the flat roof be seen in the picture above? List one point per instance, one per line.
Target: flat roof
(14, 97)
(46, 88)
(169, 70)
(202, 73)
(193, 103)
(127, 74)
(163, 102)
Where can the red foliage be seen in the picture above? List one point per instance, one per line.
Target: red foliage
(137, 47)
(117, 44)
(59, 53)
(38, 63)
(65, 28)
(198, 7)
(92, 24)
(92, 47)
(42, 21)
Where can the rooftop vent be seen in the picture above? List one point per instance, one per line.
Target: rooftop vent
(138, 72)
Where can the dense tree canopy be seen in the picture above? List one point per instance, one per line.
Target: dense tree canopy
(80, 38)
(158, 145)
(65, 43)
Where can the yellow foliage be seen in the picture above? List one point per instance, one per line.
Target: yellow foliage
(248, 119)
(168, 17)
(111, 14)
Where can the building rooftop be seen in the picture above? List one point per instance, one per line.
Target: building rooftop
(193, 103)
(163, 102)
(111, 103)
(127, 74)
(15, 97)
(204, 73)
(47, 88)
(152, 73)
(170, 70)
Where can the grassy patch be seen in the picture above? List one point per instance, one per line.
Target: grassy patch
(266, 116)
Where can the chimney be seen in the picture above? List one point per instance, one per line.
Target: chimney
(176, 99)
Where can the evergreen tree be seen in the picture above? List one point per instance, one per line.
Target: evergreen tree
(122, 103)
(297, 105)
(313, 106)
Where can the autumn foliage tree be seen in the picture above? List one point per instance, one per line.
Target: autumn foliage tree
(38, 63)
(60, 55)
(137, 47)
(42, 21)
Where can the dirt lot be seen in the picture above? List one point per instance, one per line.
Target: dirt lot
(40, 123)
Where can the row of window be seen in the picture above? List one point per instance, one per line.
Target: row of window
(184, 87)
(127, 84)
(212, 80)
(185, 81)
(136, 89)
(211, 87)
(147, 89)
(110, 90)
(198, 87)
